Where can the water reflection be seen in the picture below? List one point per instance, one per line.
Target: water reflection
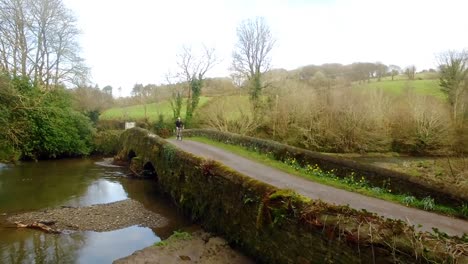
(79, 247)
(100, 191)
(107, 246)
(30, 246)
(35, 186)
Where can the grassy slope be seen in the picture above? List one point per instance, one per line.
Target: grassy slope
(429, 85)
(369, 191)
(136, 112)
(231, 106)
(425, 83)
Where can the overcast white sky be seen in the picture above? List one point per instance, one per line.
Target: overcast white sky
(127, 42)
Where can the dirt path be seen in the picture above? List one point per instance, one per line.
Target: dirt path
(329, 194)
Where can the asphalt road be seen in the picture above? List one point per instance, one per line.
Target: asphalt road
(428, 220)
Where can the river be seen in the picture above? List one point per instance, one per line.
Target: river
(75, 182)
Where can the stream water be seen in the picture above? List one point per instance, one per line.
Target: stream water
(75, 182)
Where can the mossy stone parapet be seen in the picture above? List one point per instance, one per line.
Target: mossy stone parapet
(278, 226)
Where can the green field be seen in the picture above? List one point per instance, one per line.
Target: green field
(417, 76)
(232, 107)
(400, 86)
(137, 112)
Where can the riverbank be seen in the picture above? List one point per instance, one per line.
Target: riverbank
(197, 247)
(99, 217)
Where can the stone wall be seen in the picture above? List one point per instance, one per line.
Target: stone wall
(273, 225)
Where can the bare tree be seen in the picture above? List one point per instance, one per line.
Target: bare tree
(453, 67)
(141, 93)
(192, 70)
(107, 90)
(38, 40)
(251, 55)
(90, 99)
(238, 81)
(176, 95)
(394, 70)
(381, 70)
(362, 71)
(14, 36)
(410, 72)
(192, 66)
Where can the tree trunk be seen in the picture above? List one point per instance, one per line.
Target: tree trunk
(38, 225)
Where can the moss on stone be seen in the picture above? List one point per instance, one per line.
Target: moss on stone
(278, 226)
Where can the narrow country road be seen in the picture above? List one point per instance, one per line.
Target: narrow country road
(428, 220)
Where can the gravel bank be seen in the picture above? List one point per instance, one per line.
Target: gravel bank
(100, 217)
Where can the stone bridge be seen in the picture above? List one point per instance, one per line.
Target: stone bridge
(267, 223)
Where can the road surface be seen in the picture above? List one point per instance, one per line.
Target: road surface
(280, 179)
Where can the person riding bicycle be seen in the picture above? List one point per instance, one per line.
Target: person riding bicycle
(179, 126)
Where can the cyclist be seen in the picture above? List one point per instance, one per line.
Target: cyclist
(179, 126)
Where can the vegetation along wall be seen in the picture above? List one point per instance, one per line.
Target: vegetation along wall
(279, 226)
(400, 183)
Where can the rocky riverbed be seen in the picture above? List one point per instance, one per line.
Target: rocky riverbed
(100, 217)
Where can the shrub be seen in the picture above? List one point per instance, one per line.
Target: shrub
(409, 200)
(464, 209)
(41, 124)
(107, 142)
(54, 132)
(340, 118)
(428, 203)
(8, 153)
(233, 114)
(420, 124)
(161, 128)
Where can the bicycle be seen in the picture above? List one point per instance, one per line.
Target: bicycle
(179, 133)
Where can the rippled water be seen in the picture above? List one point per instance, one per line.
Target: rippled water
(79, 182)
